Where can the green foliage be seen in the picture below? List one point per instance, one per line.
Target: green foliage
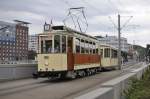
(141, 50)
(140, 89)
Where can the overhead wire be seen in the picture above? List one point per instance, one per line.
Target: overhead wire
(87, 3)
(125, 24)
(67, 3)
(113, 22)
(113, 6)
(98, 10)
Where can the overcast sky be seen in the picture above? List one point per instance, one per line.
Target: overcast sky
(101, 15)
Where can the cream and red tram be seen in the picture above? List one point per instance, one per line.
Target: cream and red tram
(64, 52)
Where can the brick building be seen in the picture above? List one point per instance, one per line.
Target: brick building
(13, 41)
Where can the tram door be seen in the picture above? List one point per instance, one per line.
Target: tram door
(70, 57)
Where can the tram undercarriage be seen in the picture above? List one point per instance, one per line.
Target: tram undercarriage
(68, 74)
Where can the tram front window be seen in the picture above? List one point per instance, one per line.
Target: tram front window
(57, 44)
(63, 44)
(48, 45)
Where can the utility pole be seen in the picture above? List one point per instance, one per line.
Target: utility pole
(119, 28)
(119, 43)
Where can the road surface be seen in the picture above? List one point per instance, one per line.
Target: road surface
(56, 89)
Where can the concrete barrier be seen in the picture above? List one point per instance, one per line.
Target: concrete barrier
(114, 89)
(16, 71)
(119, 85)
(139, 72)
(101, 93)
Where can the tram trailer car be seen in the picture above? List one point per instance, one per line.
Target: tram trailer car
(109, 59)
(64, 52)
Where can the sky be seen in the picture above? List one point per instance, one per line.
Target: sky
(101, 16)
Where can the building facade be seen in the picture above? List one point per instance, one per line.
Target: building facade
(113, 41)
(33, 43)
(13, 41)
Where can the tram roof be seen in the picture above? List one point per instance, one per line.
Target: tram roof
(113, 47)
(61, 27)
(107, 45)
(72, 30)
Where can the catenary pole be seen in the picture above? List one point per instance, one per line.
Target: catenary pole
(119, 43)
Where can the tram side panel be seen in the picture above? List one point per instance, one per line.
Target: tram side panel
(114, 62)
(55, 64)
(86, 61)
(109, 62)
(106, 62)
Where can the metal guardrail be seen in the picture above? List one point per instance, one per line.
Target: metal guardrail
(19, 62)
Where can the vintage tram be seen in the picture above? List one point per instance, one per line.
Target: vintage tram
(64, 52)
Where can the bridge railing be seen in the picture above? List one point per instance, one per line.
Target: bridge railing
(19, 62)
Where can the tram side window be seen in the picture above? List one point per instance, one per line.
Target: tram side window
(82, 46)
(94, 48)
(102, 52)
(86, 47)
(77, 42)
(97, 49)
(41, 46)
(63, 44)
(56, 43)
(115, 53)
(90, 46)
(107, 52)
(112, 53)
